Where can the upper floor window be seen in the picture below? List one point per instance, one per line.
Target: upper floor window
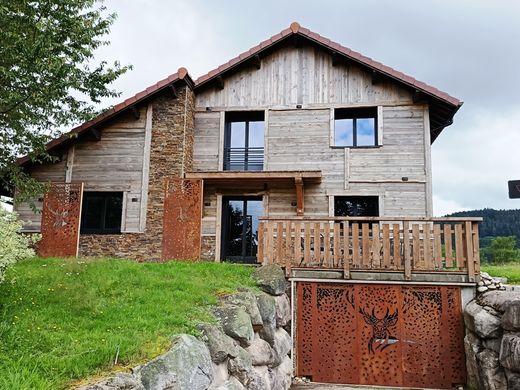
(355, 127)
(356, 206)
(101, 212)
(244, 141)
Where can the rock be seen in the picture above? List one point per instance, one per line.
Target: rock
(283, 310)
(220, 374)
(267, 308)
(480, 283)
(236, 323)
(261, 352)
(513, 379)
(187, 365)
(511, 317)
(492, 375)
(241, 367)
(281, 376)
(282, 346)
(498, 300)
(271, 279)
(492, 287)
(483, 321)
(261, 379)
(220, 345)
(482, 289)
(510, 352)
(248, 301)
(472, 346)
(492, 344)
(231, 384)
(120, 381)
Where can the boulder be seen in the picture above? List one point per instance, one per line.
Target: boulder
(492, 344)
(248, 301)
(236, 323)
(282, 346)
(187, 365)
(513, 379)
(281, 376)
(261, 352)
(510, 352)
(483, 321)
(492, 376)
(472, 346)
(261, 379)
(267, 308)
(511, 317)
(241, 367)
(220, 345)
(499, 300)
(283, 310)
(220, 374)
(120, 381)
(231, 384)
(271, 279)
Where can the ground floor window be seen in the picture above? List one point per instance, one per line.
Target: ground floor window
(356, 206)
(101, 212)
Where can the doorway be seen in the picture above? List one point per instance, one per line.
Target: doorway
(240, 218)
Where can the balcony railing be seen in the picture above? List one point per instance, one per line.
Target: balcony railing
(407, 245)
(243, 159)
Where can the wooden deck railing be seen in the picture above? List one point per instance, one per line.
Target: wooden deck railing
(408, 245)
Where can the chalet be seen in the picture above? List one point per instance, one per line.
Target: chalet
(299, 152)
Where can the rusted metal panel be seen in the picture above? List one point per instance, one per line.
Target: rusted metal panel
(386, 335)
(182, 219)
(61, 216)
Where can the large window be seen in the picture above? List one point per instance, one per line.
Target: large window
(244, 141)
(101, 212)
(355, 127)
(356, 206)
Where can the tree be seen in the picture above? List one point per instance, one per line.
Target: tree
(49, 79)
(503, 250)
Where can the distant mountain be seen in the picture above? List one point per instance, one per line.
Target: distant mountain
(496, 222)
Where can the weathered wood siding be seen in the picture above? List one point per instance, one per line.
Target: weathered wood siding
(114, 163)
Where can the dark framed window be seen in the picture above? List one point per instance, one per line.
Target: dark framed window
(356, 206)
(355, 127)
(101, 212)
(244, 141)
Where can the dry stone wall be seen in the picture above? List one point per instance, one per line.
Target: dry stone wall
(248, 348)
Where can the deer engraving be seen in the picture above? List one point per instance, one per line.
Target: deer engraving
(381, 337)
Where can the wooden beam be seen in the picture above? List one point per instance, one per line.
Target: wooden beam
(135, 112)
(220, 82)
(257, 63)
(174, 91)
(96, 134)
(419, 97)
(376, 77)
(336, 58)
(298, 181)
(296, 41)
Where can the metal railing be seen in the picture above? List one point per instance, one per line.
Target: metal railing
(243, 159)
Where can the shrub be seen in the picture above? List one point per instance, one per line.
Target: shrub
(13, 245)
(503, 250)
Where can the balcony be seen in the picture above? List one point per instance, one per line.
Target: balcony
(376, 248)
(244, 159)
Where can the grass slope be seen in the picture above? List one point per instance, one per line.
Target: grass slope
(511, 271)
(62, 320)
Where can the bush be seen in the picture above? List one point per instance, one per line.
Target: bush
(13, 245)
(503, 250)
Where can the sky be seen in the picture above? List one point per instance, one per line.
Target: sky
(469, 49)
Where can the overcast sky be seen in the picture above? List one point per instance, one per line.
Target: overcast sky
(470, 49)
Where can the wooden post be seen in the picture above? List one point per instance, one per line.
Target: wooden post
(406, 250)
(476, 248)
(468, 238)
(346, 252)
(298, 181)
(260, 252)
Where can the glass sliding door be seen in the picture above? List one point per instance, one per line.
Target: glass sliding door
(240, 228)
(244, 141)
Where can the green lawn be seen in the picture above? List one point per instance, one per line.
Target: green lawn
(63, 320)
(511, 271)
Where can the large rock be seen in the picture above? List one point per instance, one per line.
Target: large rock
(499, 300)
(510, 352)
(241, 367)
(248, 301)
(492, 344)
(492, 376)
(513, 379)
(118, 382)
(472, 346)
(220, 345)
(261, 352)
(261, 379)
(271, 279)
(267, 308)
(483, 321)
(283, 310)
(511, 317)
(282, 346)
(220, 374)
(236, 323)
(187, 365)
(281, 376)
(231, 384)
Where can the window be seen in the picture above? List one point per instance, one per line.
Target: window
(355, 127)
(101, 212)
(356, 206)
(244, 141)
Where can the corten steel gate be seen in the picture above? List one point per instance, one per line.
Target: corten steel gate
(182, 219)
(61, 216)
(388, 335)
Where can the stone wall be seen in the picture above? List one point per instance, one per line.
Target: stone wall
(171, 154)
(248, 348)
(492, 340)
